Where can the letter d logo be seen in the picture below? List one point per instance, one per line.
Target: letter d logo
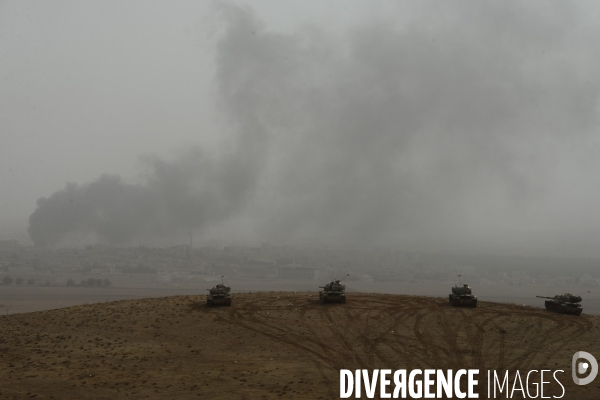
(591, 365)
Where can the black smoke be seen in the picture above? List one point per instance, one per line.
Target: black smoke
(458, 120)
(174, 198)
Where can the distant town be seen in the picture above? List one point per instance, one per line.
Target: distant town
(100, 265)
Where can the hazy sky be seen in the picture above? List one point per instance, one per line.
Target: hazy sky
(88, 87)
(465, 125)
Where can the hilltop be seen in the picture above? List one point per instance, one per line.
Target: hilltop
(273, 345)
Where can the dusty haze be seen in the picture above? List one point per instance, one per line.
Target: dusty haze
(468, 126)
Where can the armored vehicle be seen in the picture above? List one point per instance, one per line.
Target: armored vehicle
(333, 292)
(219, 295)
(565, 303)
(462, 296)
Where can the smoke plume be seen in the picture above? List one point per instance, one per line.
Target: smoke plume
(175, 197)
(436, 126)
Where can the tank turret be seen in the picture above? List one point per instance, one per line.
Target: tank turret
(219, 295)
(334, 291)
(462, 296)
(565, 303)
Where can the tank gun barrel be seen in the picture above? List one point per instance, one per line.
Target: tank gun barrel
(544, 297)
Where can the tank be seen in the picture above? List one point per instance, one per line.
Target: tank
(219, 295)
(333, 292)
(462, 296)
(565, 303)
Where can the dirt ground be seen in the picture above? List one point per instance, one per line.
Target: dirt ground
(276, 345)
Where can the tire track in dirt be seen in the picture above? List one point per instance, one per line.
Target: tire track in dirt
(404, 342)
(537, 345)
(417, 347)
(328, 355)
(482, 339)
(323, 345)
(315, 354)
(282, 335)
(370, 345)
(547, 341)
(494, 320)
(425, 338)
(333, 328)
(423, 330)
(406, 332)
(555, 341)
(542, 343)
(455, 358)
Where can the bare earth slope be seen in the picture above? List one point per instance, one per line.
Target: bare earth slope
(274, 345)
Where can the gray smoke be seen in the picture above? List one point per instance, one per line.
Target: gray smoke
(448, 126)
(176, 197)
(461, 119)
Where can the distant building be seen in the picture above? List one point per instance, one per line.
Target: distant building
(100, 271)
(292, 271)
(20, 269)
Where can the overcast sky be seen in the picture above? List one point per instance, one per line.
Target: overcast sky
(467, 126)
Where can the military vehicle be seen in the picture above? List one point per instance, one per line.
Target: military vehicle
(333, 292)
(462, 296)
(565, 303)
(219, 295)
